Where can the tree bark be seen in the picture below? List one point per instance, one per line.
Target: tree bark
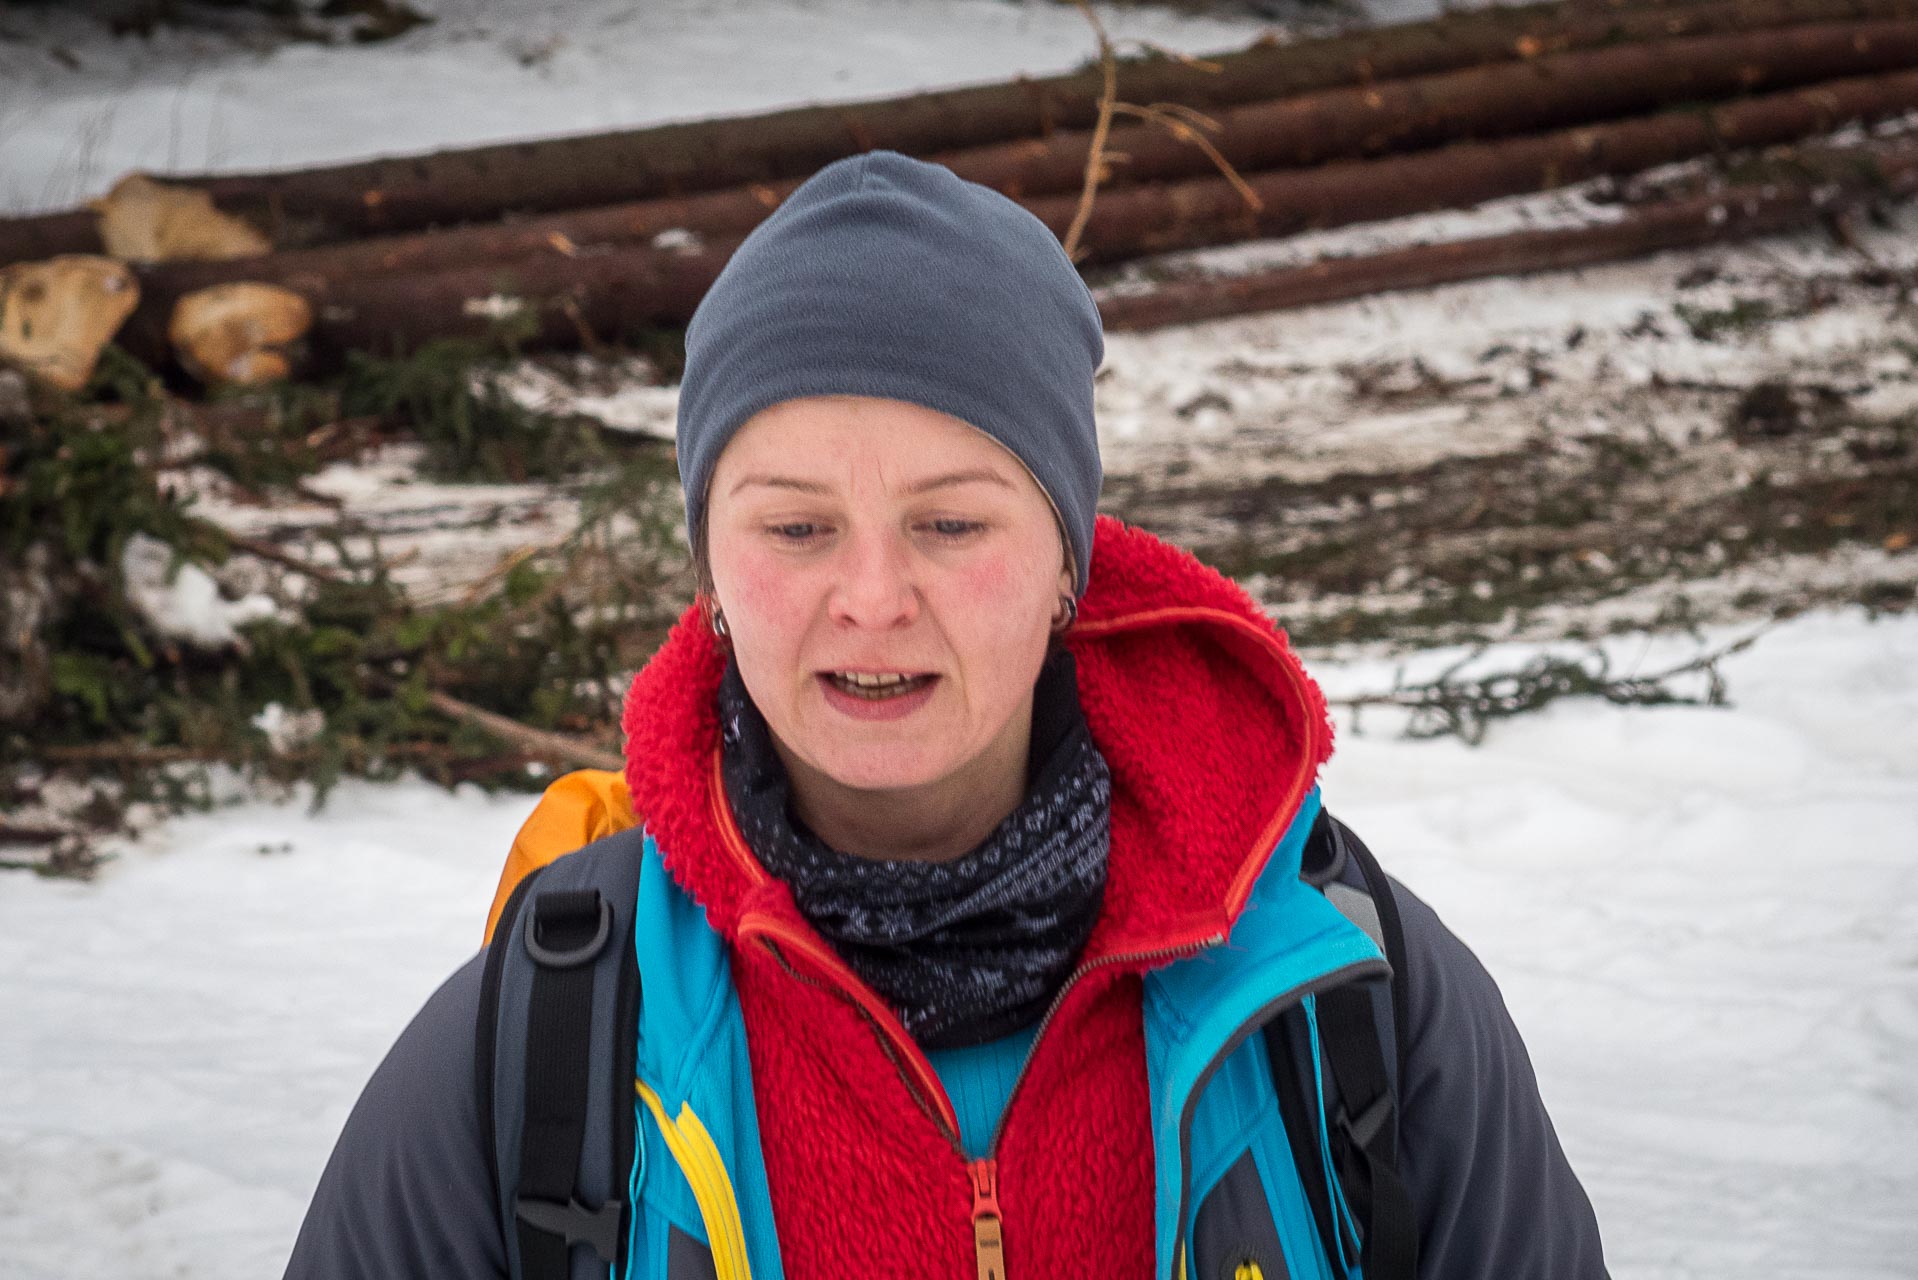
(1735, 213)
(1499, 100)
(1134, 221)
(713, 216)
(337, 202)
(556, 301)
(609, 292)
(1548, 92)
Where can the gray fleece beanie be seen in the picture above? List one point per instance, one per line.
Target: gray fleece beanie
(886, 276)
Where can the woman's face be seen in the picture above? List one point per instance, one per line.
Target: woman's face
(888, 576)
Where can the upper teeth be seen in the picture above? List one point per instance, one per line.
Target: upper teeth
(867, 681)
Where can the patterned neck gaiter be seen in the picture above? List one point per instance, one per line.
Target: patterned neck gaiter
(965, 951)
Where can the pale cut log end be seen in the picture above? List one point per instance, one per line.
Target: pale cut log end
(236, 334)
(57, 316)
(146, 221)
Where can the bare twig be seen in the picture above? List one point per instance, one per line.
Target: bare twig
(1180, 122)
(507, 563)
(1096, 154)
(130, 753)
(539, 742)
(10, 834)
(1185, 123)
(273, 555)
(1464, 708)
(1195, 63)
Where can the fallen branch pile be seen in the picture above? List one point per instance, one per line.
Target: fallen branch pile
(144, 642)
(629, 229)
(1453, 704)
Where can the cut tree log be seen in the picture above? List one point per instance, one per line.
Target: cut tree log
(380, 196)
(677, 225)
(1134, 221)
(613, 292)
(1500, 100)
(541, 303)
(1738, 212)
(564, 302)
(237, 335)
(146, 221)
(57, 316)
(1548, 92)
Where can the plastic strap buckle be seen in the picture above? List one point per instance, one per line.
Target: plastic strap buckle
(558, 912)
(1365, 1129)
(576, 1223)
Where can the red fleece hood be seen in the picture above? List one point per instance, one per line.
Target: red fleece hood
(1211, 728)
(1213, 735)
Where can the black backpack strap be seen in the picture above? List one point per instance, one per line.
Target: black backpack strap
(1365, 1136)
(568, 931)
(1364, 1129)
(486, 1030)
(1393, 930)
(557, 1039)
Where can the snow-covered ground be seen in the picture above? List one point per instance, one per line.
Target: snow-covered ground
(1705, 921)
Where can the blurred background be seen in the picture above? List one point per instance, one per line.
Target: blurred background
(1550, 373)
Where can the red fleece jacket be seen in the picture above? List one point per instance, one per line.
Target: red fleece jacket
(1213, 733)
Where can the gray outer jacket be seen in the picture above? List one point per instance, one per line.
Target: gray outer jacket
(409, 1189)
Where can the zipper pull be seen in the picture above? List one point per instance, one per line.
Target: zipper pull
(988, 1239)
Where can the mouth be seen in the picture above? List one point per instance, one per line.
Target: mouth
(871, 686)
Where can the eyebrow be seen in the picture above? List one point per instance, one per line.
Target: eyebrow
(977, 475)
(780, 482)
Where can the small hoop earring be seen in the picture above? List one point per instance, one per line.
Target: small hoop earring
(1065, 615)
(717, 621)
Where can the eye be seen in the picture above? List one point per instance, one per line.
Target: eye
(953, 529)
(794, 531)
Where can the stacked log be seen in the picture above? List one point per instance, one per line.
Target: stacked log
(1395, 122)
(1736, 212)
(1154, 219)
(348, 201)
(1309, 129)
(608, 291)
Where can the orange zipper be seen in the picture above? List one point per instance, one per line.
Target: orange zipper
(988, 1235)
(905, 1052)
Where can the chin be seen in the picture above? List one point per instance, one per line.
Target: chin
(881, 768)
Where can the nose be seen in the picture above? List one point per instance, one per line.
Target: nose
(875, 588)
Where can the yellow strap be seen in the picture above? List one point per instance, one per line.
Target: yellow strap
(697, 1155)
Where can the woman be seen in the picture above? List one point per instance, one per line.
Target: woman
(970, 863)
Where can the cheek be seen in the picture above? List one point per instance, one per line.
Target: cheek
(759, 588)
(1002, 601)
(991, 579)
(768, 609)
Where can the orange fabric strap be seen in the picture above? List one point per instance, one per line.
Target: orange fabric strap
(576, 810)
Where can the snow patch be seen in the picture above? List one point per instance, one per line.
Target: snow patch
(184, 602)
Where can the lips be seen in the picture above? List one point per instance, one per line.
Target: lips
(868, 695)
